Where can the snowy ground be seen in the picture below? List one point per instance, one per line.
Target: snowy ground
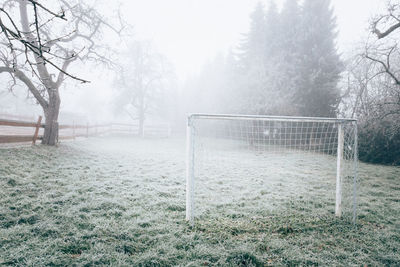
(121, 201)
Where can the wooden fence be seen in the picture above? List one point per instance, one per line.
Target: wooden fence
(18, 131)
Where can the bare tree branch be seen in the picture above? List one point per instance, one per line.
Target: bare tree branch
(22, 77)
(386, 67)
(387, 32)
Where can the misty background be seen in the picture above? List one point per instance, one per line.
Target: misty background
(286, 57)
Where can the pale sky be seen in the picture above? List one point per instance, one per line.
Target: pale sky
(190, 32)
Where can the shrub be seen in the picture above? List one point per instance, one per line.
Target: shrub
(379, 142)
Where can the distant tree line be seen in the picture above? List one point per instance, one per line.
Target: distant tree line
(289, 61)
(287, 64)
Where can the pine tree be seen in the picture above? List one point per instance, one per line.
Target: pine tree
(290, 19)
(258, 59)
(252, 47)
(272, 31)
(251, 58)
(288, 62)
(320, 66)
(288, 57)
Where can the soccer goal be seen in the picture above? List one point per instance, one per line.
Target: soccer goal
(243, 165)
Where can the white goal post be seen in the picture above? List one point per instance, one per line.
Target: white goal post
(326, 142)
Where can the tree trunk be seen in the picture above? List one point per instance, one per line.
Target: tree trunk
(51, 113)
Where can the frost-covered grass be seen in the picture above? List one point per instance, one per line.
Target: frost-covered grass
(121, 201)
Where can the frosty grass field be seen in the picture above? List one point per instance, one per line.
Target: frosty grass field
(121, 201)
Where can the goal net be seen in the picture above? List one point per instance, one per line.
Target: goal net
(250, 166)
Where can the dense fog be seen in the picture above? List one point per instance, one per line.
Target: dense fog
(155, 63)
(160, 133)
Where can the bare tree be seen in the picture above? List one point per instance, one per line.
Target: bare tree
(384, 49)
(371, 96)
(143, 80)
(367, 93)
(38, 45)
(373, 86)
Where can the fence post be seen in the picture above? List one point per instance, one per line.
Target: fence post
(87, 130)
(35, 136)
(190, 171)
(338, 207)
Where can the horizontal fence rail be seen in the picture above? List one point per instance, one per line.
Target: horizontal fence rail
(21, 131)
(20, 136)
(18, 123)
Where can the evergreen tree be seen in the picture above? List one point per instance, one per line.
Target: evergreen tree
(290, 26)
(251, 59)
(287, 64)
(257, 80)
(289, 54)
(252, 47)
(272, 31)
(317, 93)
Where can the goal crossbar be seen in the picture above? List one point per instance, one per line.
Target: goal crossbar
(267, 118)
